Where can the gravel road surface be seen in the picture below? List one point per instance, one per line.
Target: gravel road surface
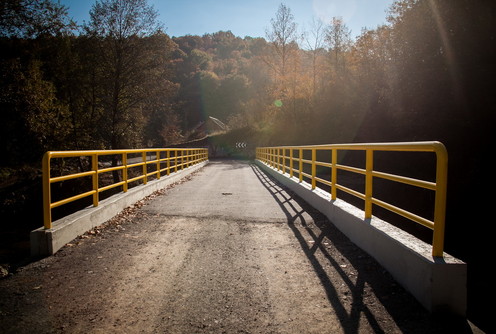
(225, 251)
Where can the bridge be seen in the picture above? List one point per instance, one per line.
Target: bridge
(263, 246)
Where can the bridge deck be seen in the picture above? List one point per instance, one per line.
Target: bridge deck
(225, 252)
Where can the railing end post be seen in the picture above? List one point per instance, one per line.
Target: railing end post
(47, 211)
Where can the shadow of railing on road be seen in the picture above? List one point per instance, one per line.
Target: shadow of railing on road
(329, 249)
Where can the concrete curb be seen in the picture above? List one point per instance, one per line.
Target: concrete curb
(439, 284)
(45, 242)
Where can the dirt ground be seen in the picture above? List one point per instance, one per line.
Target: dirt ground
(192, 270)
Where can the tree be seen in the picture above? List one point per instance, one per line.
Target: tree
(122, 19)
(34, 118)
(283, 38)
(130, 54)
(285, 62)
(315, 43)
(338, 39)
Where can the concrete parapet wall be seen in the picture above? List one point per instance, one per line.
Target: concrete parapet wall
(46, 242)
(439, 284)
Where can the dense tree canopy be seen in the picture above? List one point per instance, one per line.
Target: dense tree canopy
(33, 18)
(122, 82)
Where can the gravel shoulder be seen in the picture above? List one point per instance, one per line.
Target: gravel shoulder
(225, 251)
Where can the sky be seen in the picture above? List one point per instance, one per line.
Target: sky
(250, 17)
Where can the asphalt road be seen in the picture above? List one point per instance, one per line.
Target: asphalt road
(227, 251)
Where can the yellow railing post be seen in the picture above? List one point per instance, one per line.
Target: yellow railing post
(440, 200)
(278, 157)
(283, 157)
(300, 167)
(175, 161)
(291, 162)
(124, 172)
(314, 168)
(145, 168)
(94, 167)
(47, 200)
(183, 156)
(168, 162)
(158, 165)
(334, 173)
(369, 165)
(178, 159)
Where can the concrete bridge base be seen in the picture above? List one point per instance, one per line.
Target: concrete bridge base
(45, 242)
(439, 284)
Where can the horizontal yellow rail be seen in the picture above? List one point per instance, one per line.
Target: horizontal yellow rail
(165, 160)
(290, 159)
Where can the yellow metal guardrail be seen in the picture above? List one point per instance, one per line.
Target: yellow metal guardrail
(163, 162)
(291, 159)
